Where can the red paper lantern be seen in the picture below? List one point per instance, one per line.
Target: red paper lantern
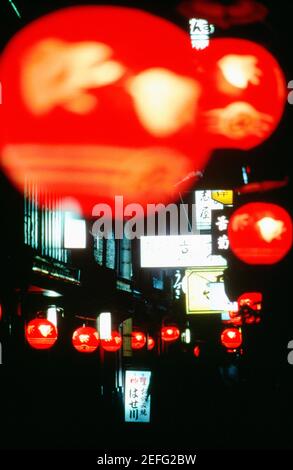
(239, 77)
(107, 104)
(235, 319)
(113, 344)
(231, 338)
(41, 333)
(251, 299)
(170, 333)
(260, 233)
(85, 339)
(138, 340)
(151, 343)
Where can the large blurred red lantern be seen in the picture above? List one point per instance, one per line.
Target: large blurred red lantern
(260, 233)
(151, 343)
(231, 338)
(41, 333)
(239, 77)
(138, 340)
(85, 339)
(170, 333)
(113, 344)
(107, 104)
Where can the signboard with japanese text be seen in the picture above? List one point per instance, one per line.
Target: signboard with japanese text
(178, 251)
(137, 400)
(177, 284)
(220, 240)
(206, 201)
(206, 292)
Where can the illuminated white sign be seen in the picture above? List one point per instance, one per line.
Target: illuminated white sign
(52, 314)
(206, 201)
(74, 233)
(105, 325)
(200, 31)
(169, 251)
(177, 285)
(137, 400)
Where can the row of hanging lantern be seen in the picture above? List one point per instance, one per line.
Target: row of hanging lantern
(43, 334)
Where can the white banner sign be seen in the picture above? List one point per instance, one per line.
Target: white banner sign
(168, 251)
(137, 402)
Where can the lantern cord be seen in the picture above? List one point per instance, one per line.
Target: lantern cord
(15, 8)
(80, 317)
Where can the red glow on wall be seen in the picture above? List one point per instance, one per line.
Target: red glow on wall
(41, 333)
(101, 112)
(113, 344)
(85, 339)
(260, 233)
(151, 343)
(224, 16)
(231, 338)
(170, 333)
(138, 340)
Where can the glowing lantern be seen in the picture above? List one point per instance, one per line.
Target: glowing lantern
(113, 344)
(138, 340)
(85, 339)
(231, 338)
(235, 318)
(107, 104)
(196, 351)
(260, 233)
(170, 333)
(41, 333)
(239, 76)
(151, 343)
(252, 299)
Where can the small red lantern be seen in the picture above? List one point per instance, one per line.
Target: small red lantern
(138, 340)
(235, 318)
(231, 338)
(151, 343)
(41, 333)
(85, 339)
(196, 351)
(251, 299)
(260, 233)
(113, 344)
(170, 333)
